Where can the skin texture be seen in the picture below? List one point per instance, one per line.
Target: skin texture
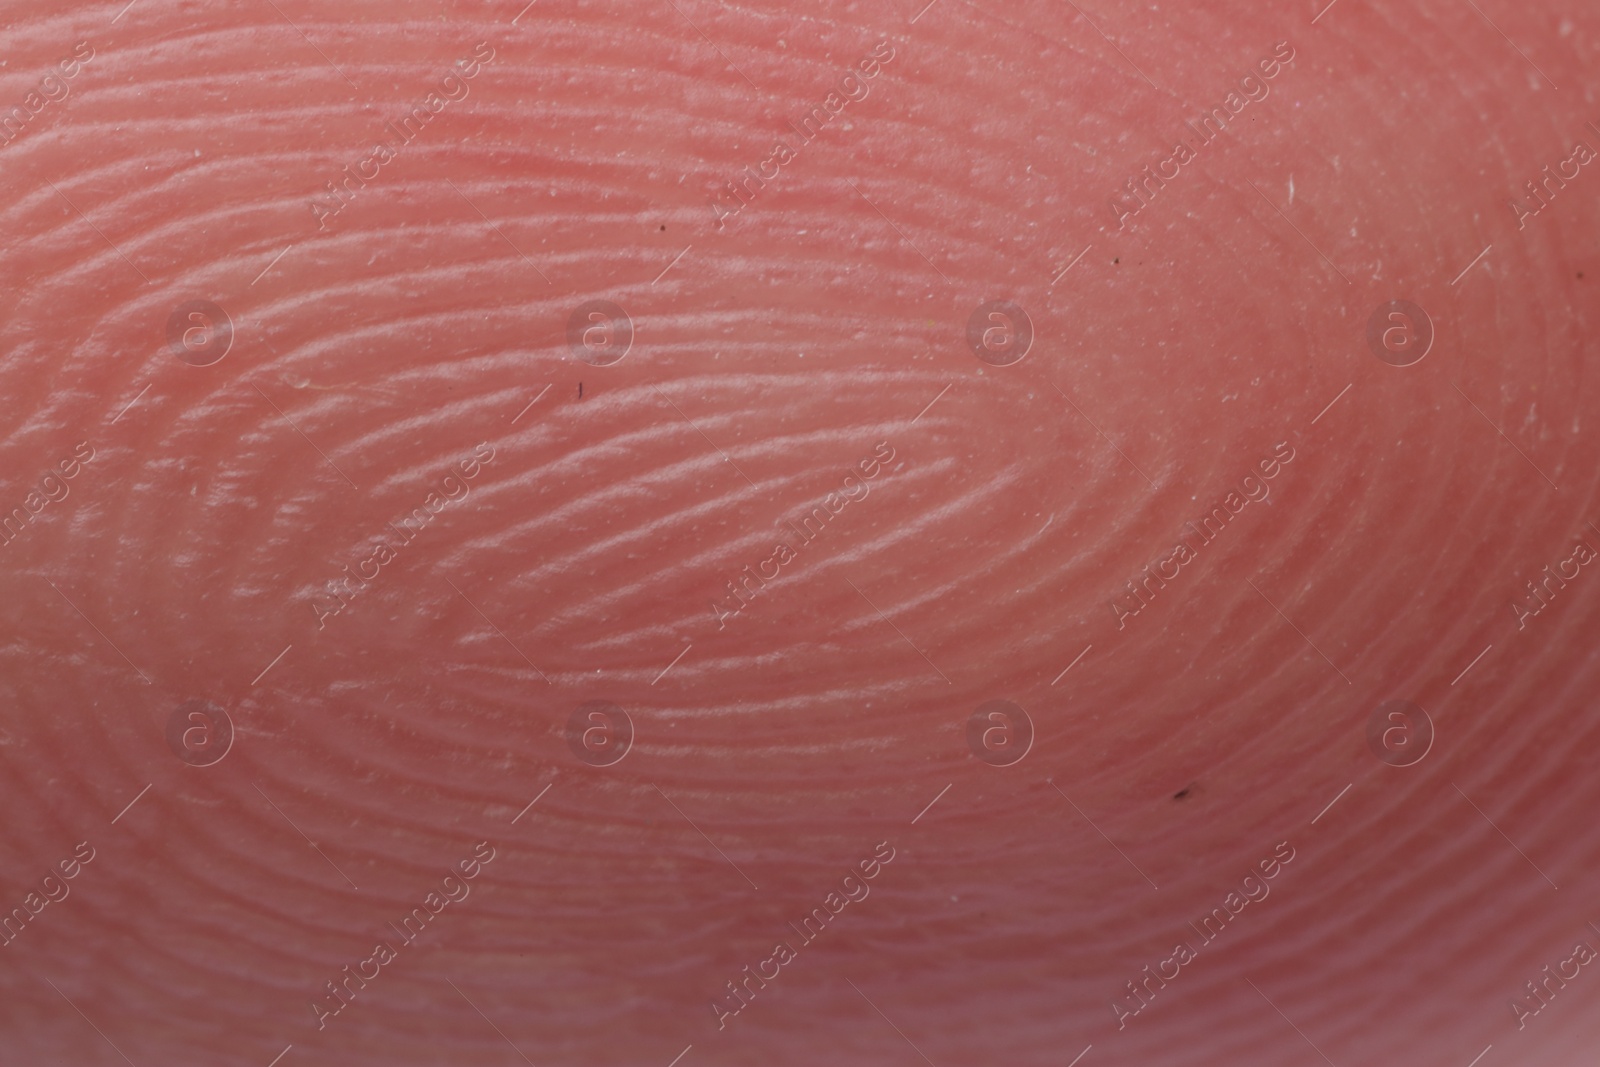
(802, 346)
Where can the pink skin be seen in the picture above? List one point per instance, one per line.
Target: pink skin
(423, 556)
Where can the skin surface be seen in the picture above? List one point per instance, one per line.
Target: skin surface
(401, 372)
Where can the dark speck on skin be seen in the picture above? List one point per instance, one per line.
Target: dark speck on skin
(580, 390)
(1180, 794)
